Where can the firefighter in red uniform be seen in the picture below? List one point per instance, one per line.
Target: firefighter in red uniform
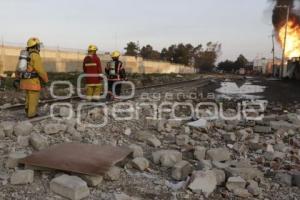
(92, 66)
(115, 72)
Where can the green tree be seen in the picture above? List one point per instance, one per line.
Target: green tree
(241, 62)
(132, 49)
(147, 52)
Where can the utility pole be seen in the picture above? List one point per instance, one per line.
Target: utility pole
(285, 37)
(273, 52)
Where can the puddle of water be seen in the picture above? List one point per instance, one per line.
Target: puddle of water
(230, 90)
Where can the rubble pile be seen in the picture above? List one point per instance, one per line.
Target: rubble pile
(170, 159)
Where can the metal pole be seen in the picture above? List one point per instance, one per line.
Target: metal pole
(284, 43)
(273, 51)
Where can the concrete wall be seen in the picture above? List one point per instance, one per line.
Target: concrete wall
(71, 61)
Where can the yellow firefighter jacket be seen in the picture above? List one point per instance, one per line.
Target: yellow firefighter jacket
(35, 65)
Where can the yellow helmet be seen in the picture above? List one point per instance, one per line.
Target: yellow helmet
(92, 48)
(32, 42)
(115, 54)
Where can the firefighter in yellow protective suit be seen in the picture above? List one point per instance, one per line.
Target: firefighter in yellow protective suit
(30, 81)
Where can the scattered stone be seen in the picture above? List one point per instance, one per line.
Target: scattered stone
(262, 129)
(113, 174)
(22, 177)
(8, 128)
(244, 173)
(240, 192)
(282, 125)
(204, 165)
(201, 123)
(296, 179)
(220, 165)
(167, 158)
(140, 163)
(23, 128)
(137, 151)
(229, 137)
(253, 188)
(71, 187)
(66, 112)
(149, 138)
(51, 129)
(2, 134)
(219, 154)
(200, 153)
(38, 142)
(203, 182)
(123, 196)
(127, 131)
(23, 141)
(181, 170)
(14, 158)
(270, 156)
(182, 140)
(92, 181)
(284, 178)
(235, 182)
(220, 176)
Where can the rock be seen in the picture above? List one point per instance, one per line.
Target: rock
(182, 140)
(203, 182)
(140, 163)
(296, 179)
(23, 128)
(23, 141)
(270, 156)
(282, 125)
(14, 158)
(22, 177)
(253, 188)
(92, 181)
(204, 165)
(123, 196)
(2, 134)
(284, 178)
(220, 165)
(66, 112)
(240, 192)
(181, 170)
(269, 148)
(167, 158)
(262, 129)
(235, 182)
(219, 154)
(229, 137)
(137, 151)
(8, 128)
(220, 176)
(71, 187)
(244, 173)
(149, 138)
(200, 153)
(127, 131)
(201, 123)
(38, 142)
(113, 174)
(52, 128)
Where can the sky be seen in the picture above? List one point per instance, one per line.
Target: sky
(241, 26)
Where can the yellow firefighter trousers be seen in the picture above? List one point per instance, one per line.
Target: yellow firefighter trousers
(93, 92)
(32, 101)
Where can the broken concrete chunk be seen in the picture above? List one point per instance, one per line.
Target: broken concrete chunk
(14, 158)
(71, 187)
(149, 138)
(2, 134)
(113, 174)
(253, 188)
(284, 178)
(66, 112)
(51, 129)
(229, 137)
(140, 163)
(181, 170)
(220, 176)
(167, 158)
(92, 181)
(22, 177)
(262, 129)
(219, 154)
(182, 140)
(201, 123)
(203, 182)
(204, 165)
(23, 128)
(38, 142)
(244, 173)
(296, 179)
(23, 141)
(8, 128)
(241, 192)
(235, 182)
(137, 151)
(200, 153)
